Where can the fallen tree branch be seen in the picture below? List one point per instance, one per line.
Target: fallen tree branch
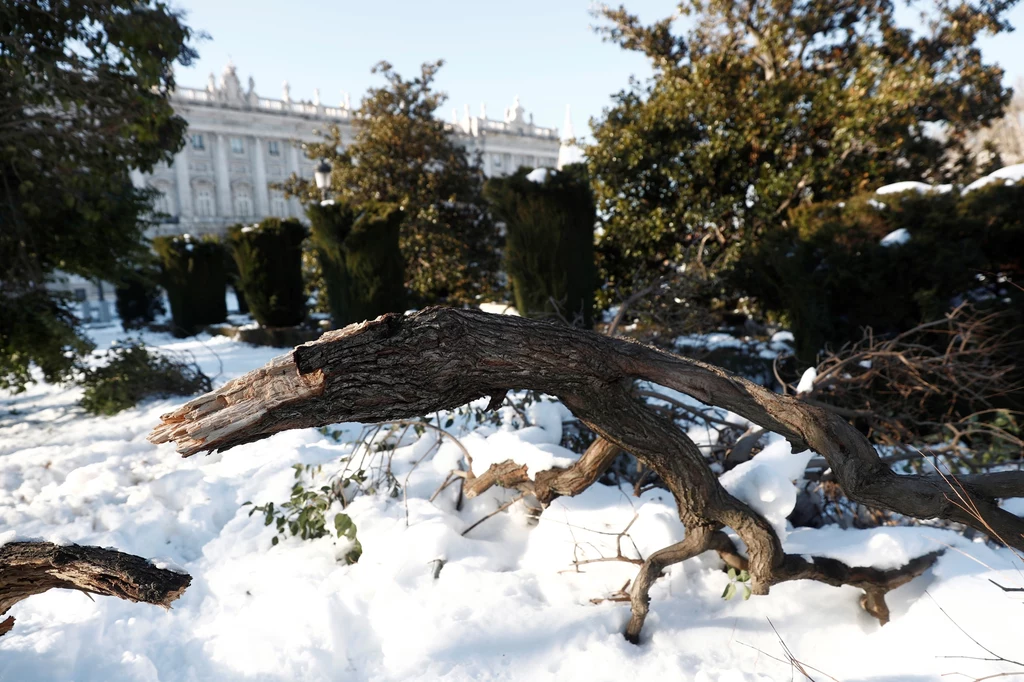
(398, 367)
(29, 568)
(549, 483)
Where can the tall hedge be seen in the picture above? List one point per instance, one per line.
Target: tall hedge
(138, 298)
(549, 244)
(828, 274)
(269, 260)
(194, 275)
(362, 264)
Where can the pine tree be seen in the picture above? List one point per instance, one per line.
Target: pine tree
(404, 155)
(761, 105)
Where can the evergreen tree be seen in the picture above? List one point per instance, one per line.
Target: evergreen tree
(761, 105)
(330, 224)
(194, 273)
(403, 154)
(361, 262)
(139, 297)
(549, 246)
(84, 98)
(373, 263)
(269, 260)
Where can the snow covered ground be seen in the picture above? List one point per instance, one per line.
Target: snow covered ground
(508, 603)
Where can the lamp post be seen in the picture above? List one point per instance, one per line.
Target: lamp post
(322, 175)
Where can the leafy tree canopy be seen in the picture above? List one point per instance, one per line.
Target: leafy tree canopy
(756, 106)
(403, 154)
(84, 98)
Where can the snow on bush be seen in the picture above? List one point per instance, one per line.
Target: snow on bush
(896, 237)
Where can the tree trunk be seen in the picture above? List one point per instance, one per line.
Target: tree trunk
(398, 367)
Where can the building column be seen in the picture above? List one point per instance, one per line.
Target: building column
(224, 208)
(260, 177)
(293, 167)
(184, 189)
(138, 180)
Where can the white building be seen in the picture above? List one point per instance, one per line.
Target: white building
(239, 143)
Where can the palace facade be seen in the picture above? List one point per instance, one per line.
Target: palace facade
(239, 143)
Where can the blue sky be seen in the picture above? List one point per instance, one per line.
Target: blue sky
(545, 51)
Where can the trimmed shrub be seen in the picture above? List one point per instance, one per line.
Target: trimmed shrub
(133, 372)
(194, 275)
(330, 225)
(549, 244)
(269, 260)
(374, 263)
(234, 281)
(360, 259)
(139, 299)
(828, 275)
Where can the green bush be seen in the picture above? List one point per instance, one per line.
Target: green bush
(305, 514)
(549, 246)
(194, 274)
(138, 298)
(827, 275)
(361, 263)
(38, 328)
(134, 373)
(269, 260)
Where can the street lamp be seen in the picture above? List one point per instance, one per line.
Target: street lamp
(322, 175)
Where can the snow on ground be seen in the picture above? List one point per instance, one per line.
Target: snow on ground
(508, 604)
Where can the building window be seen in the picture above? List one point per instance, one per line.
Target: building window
(278, 207)
(496, 160)
(197, 141)
(204, 201)
(273, 148)
(237, 145)
(162, 203)
(243, 201)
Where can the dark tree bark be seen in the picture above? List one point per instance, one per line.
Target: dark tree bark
(399, 367)
(28, 568)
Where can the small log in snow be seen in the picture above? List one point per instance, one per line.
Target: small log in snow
(30, 568)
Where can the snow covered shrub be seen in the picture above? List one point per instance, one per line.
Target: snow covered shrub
(360, 259)
(195, 277)
(133, 373)
(886, 263)
(269, 260)
(138, 299)
(549, 249)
